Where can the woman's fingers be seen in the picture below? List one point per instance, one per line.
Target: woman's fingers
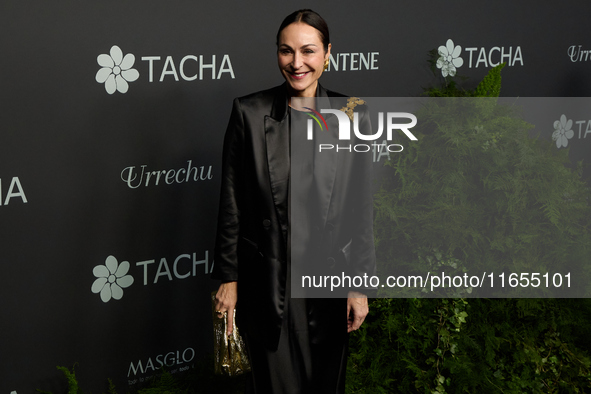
(357, 310)
(226, 299)
(230, 323)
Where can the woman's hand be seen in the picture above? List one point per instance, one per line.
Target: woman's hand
(357, 309)
(225, 301)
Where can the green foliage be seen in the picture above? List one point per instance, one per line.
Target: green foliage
(480, 345)
(71, 379)
(111, 389)
(490, 86)
(474, 190)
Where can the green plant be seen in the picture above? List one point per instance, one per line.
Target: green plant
(477, 190)
(70, 377)
(111, 389)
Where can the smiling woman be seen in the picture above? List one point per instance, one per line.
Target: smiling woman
(302, 57)
(296, 345)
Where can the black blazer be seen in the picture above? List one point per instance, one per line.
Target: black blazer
(252, 234)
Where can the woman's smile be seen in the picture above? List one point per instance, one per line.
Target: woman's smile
(299, 75)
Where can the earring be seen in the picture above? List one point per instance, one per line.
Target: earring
(325, 64)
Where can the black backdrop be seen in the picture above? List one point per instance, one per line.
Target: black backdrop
(69, 152)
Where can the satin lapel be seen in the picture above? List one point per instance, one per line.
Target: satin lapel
(325, 162)
(277, 141)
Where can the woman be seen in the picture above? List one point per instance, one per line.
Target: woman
(296, 345)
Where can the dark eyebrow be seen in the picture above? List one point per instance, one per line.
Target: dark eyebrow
(303, 46)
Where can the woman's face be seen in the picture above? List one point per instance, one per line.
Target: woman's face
(301, 58)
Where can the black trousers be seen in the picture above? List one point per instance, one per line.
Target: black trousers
(298, 365)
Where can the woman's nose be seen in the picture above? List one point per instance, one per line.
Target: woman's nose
(297, 61)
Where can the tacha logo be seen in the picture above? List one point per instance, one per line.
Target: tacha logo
(111, 279)
(450, 57)
(563, 130)
(116, 71)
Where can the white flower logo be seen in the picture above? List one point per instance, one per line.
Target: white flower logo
(562, 131)
(449, 58)
(116, 70)
(111, 279)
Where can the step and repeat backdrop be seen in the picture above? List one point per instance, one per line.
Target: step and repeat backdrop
(111, 126)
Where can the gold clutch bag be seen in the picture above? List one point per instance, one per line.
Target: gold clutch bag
(229, 352)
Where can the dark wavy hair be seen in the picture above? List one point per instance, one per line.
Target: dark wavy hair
(308, 17)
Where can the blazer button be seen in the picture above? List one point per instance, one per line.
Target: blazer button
(329, 226)
(331, 262)
(266, 223)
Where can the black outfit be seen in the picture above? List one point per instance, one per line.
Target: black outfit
(296, 345)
